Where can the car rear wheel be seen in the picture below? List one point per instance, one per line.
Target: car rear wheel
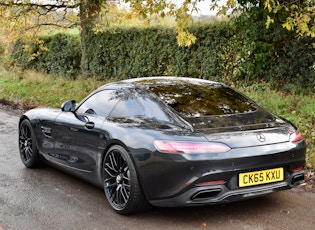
(121, 184)
(27, 146)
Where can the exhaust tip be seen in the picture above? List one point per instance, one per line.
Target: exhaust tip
(205, 194)
(298, 179)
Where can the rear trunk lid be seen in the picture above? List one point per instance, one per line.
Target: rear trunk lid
(243, 130)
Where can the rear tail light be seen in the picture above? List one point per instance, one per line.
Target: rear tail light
(297, 169)
(296, 137)
(190, 147)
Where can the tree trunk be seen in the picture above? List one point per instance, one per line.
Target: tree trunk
(89, 16)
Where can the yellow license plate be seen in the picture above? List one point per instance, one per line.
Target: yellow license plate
(260, 177)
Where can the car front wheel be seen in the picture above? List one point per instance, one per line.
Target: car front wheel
(121, 184)
(27, 146)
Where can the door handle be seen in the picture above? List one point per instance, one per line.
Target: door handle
(89, 125)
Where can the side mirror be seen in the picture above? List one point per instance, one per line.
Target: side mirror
(68, 106)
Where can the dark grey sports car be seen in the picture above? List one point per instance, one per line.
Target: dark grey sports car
(167, 141)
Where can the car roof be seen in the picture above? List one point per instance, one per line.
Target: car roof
(137, 82)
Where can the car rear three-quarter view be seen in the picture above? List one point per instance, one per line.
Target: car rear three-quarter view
(235, 149)
(167, 141)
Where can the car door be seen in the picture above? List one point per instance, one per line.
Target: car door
(77, 134)
(76, 141)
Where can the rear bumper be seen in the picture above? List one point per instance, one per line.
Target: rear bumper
(216, 194)
(183, 182)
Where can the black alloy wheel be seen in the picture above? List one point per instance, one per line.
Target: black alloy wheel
(27, 146)
(121, 185)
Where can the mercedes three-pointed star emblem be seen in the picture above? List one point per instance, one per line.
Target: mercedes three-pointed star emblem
(261, 137)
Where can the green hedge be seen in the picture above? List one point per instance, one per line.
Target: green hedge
(22, 54)
(58, 54)
(63, 55)
(239, 51)
(136, 52)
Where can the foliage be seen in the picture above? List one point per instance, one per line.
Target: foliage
(58, 53)
(28, 14)
(23, 54)
(131, 52)
(138, 52)
(181, 12)
(256, 47)
(62, 55)
(228, 51)
(272, 55)
(29, 18)
(296, 64)
(291, 15)
(299, 15)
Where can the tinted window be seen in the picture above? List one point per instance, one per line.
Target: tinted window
(138, 102)
(199, 98)
(100, 103)
(128, 108)
(155, 109)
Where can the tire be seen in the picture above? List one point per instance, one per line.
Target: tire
(121, 185)
(27, 146)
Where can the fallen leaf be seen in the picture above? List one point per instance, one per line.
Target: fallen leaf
(285, 211)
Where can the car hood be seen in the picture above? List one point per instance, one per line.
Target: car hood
(243, 130)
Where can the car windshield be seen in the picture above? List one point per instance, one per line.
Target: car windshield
(199, 98)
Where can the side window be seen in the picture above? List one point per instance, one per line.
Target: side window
(127, 108)
(99, 104)
(155, 109)
(139, 103)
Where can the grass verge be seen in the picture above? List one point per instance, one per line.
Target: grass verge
(31, 89)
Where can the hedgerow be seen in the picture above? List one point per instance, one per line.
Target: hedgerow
(240, 51)
(58, 54)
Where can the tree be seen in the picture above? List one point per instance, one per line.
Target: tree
(89, 16)
(299, 14)
(34, 14)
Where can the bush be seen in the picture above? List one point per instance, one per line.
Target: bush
(62, 54)
(57, 54)
(23, 54)
(240, 51)
(272, 55)
(296, 65)
(137, 52)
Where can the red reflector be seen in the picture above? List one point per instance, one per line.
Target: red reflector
(297, 169)
(211, 183)
(190, 147)
(295, 137)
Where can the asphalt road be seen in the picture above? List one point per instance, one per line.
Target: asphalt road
(49, 199)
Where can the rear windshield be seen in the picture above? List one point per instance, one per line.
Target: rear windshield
(200, 98)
